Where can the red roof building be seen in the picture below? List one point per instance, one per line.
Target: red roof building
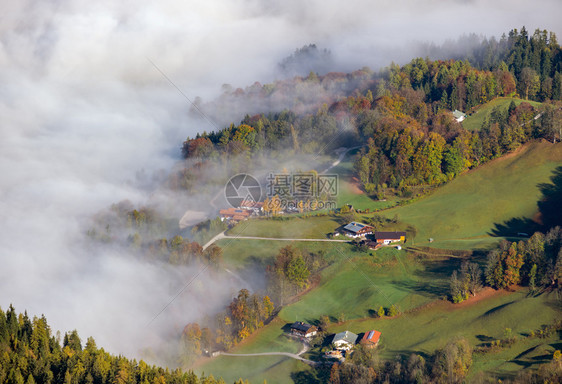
(371, 339)
(234, 214)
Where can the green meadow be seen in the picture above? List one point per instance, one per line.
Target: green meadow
(471, 212)
(466, 212)
(357, 286)
(291, 227)
(477, 117)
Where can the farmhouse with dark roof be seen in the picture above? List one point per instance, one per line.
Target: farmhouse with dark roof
(355, 229)
(299, 328)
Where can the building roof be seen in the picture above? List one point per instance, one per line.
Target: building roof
(356, 227)
(302, 327)
(371, 337)
(250, 203)
(458, 114)
(389, 235)
(346, 336)
(235, 212)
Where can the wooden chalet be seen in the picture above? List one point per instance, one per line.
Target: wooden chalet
(356, 230)
(301, 329)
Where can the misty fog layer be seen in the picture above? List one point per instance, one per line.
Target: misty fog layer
(87, 121)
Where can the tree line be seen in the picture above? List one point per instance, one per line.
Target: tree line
(403, 114)
(450, 364)
(291, 272)
(535, 263)
(30, 353)
(245, 314)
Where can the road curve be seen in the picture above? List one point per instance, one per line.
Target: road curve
(281, 239)
(291, 355)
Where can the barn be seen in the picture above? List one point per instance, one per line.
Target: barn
(389, 237)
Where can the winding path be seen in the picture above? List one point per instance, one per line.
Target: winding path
(291, 355)
(296, 356)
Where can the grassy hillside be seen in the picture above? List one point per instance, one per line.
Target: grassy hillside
(349, 191)
(274, 369)
(462, 214)
(478, 116)
(359, 282)
(357, 286)
(316, 227)
(465, 212)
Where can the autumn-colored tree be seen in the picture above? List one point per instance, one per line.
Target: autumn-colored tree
(530, 82)
(428, 158)
(213, 254)
(513, 260)
(268, 306)
(201, 148)
(191, 337)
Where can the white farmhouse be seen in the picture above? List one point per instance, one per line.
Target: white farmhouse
(345, 340)
(459, 116)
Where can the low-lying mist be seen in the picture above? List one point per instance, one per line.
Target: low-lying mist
(87, 121)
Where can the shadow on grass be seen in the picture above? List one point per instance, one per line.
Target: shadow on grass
(557, 346)
(406, 353)
(434, 290)
(519, 356)
(319, 375)
(550, 209)
(496, 309)
(434, 278)
(516, 228)
(484, 338)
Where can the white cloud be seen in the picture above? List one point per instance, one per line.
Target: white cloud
(82, 111)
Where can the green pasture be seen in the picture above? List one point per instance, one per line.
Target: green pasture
(476, 119)
(292, 227)
(475, 209)
(358, 285)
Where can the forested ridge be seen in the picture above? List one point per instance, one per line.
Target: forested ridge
(30, 353)
(402, 114)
